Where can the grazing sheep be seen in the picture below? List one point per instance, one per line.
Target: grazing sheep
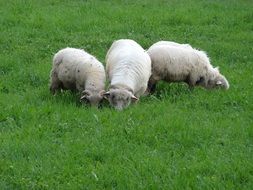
(183, 64)
(74, 69)
(128, 67)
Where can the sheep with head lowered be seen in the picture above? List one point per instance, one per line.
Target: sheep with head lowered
(74, 69)
(182, 63)
(128, 67)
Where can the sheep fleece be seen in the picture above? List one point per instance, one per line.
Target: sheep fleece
(76, 69)
(175, 63)
(128, 65)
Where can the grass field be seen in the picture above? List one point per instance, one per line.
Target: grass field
(175, 139)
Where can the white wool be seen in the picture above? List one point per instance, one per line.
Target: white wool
(175, 63)
(77, 69)
(128, 66)
(170, 43)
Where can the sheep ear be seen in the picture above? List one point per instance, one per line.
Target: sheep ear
(134, 98)
(83, 97)
(106, 95)
(86, 93)
(102, 92)
(218, 82)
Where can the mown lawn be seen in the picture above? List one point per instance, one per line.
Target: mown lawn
(175, 139)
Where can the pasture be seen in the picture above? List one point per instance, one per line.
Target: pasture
(175, 139)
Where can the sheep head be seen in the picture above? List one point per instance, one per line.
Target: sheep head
(217, 80)
(120, 98)
(93, 97)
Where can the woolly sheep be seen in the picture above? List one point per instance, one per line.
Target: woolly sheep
(175, 63)
(128, 68)
(75, 69)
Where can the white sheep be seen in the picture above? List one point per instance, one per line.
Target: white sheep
(128, 67)
(75, 69)
(175, 63)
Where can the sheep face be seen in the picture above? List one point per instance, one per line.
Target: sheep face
(216, 80)
(119, 98)
(94, 98)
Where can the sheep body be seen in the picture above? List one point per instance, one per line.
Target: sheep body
(75, 69)
(128, 67)
(176, 63)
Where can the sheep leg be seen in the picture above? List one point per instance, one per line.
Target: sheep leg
(55, 83)
(191, 81)
(151, 86)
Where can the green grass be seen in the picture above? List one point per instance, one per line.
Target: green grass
(176, 139)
